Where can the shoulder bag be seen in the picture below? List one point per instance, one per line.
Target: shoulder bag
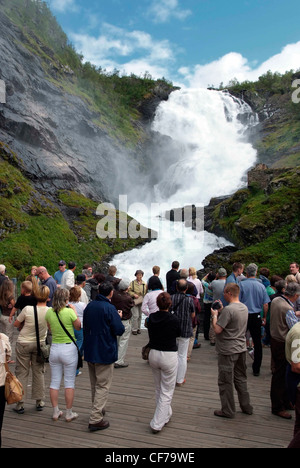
(43, 352)
(140, 299)
(80, 360)
(14, 391)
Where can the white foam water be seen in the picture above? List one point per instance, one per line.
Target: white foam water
(212, 156)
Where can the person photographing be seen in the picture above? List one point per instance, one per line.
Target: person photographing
(230, 326)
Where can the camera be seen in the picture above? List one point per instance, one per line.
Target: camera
(216, 305)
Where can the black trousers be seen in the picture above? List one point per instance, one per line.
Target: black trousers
(2, 409)
(296, 441)
(279, 396)
(254, 326)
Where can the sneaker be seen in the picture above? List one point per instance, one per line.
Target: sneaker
(40, 405)
(72, 417)
(19, 409)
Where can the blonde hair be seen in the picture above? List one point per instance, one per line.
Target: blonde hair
(291, 279)
(60, 300)
(27, 287)
(35, 284)
(193, 272)
(42, 295)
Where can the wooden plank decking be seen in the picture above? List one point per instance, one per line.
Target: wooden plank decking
(131, 405)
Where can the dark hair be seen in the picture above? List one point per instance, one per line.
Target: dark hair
(139, 272)
(71, 265)
(191, 289)
(99, 277)
(211, 277)
(80, 279)
(105, 289)
(175, 265)
(164, 301)
(265, 272)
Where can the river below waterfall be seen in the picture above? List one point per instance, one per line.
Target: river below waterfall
(203, 153)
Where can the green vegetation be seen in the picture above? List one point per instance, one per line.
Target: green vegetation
(35, 230)
(113, 97)
(271, 95)
(264, 224)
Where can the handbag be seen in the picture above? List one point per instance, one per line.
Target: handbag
(80, 360)
(140, 299)
(145, 352)
(14, 391)
(146, 349)
(43, 352)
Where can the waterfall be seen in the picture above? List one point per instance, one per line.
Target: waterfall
(201, 151)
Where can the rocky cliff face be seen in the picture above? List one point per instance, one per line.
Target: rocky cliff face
(57, 134)
(262, 221)
(59, 157)
(50, 130)
(276, 138)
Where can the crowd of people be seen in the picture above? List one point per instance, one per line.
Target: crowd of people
(93, 315)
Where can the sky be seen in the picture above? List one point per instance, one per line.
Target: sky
(193, 43)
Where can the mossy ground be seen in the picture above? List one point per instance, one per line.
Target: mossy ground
(36, 231)
(264, 225)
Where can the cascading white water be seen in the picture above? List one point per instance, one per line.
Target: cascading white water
(210, 159)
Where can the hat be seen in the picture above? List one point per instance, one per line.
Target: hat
(139, 272)
(222, 272)
(124, 284)
(62, 263)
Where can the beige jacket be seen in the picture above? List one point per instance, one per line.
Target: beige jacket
(5, 351)
(138, 289)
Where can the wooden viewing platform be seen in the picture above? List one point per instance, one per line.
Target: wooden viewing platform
(131, 407)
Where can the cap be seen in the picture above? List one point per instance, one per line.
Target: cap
(222, 272)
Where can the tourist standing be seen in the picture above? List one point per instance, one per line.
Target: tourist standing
(230, 325)
(27, 349)
(149, 305)
(123, 302)
(68, 278)
(254, 295)
(164, 329)
(5, 353)
(75, 301)
(193, 278)
(155, 280)
(101, 325)
(172, 275)
(3, 276)
(7, 303)
(184, 310)
(48, 281)
(294, 270)
(292, 350)
(207, 301)
(280, 307)
(64, 354)
(61, 271)
(137, 290)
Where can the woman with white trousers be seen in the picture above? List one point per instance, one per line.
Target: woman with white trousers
(164, 329)
(64, 354)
